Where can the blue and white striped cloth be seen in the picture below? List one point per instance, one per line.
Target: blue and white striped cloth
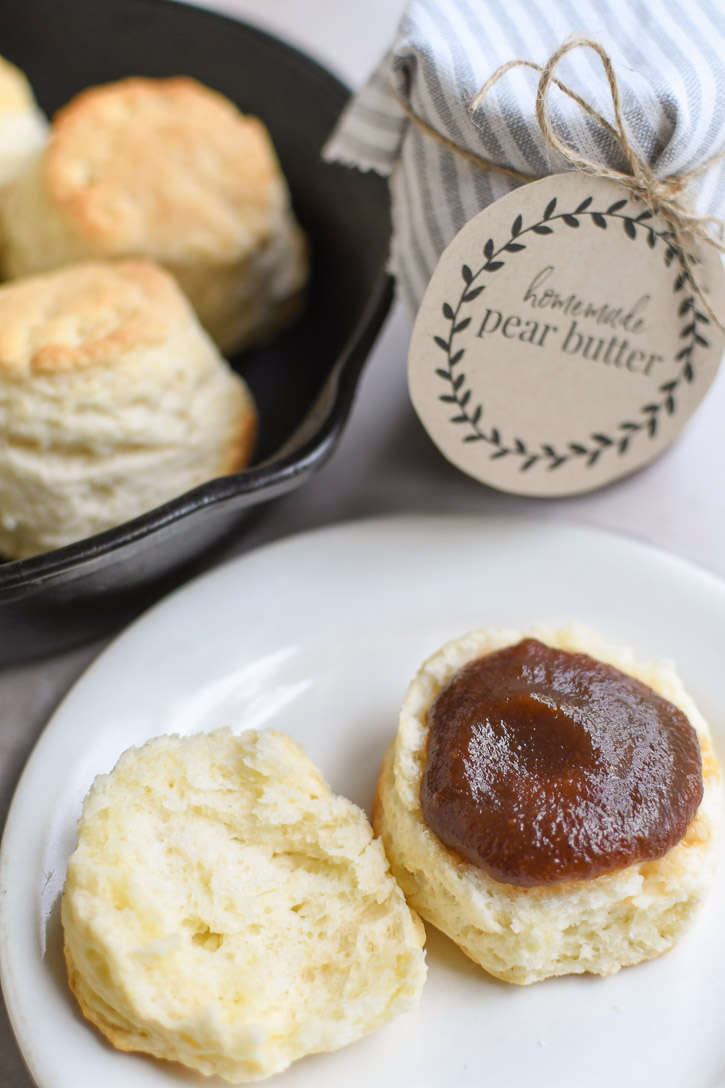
(669, 56)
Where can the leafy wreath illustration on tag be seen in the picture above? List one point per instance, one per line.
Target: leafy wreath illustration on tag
(459, 395)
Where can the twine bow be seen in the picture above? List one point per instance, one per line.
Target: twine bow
(666, 197)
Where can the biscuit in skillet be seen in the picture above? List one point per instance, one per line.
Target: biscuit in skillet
(170, 170)
(113, 400)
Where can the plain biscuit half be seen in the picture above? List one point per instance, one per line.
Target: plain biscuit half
(524, 934)
(225, 909)
(113, 400)
(170, 170)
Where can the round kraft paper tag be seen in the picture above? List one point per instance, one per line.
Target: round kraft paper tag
(562, 341)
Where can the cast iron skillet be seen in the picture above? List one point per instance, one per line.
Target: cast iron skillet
(304, 382)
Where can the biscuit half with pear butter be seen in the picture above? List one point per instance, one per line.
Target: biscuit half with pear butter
(224, 909)
(550, 803)
(113, 400)
(170, 170)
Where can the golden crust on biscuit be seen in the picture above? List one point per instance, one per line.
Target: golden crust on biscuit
(113, 400)
(15, 93)
(85, 315)
(525, 934)
(171, 170)
(23, 128)
(165, 167)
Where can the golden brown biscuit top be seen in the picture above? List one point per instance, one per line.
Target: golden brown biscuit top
(166, 167)
(85, 314)
(15, 93)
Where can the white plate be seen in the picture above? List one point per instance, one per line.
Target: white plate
(318, 635)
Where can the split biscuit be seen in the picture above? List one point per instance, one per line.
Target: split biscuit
(113, 400)
(224, 909)
(167, 169)
(524, 934)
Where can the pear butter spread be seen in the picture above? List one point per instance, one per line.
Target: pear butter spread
(545, 766)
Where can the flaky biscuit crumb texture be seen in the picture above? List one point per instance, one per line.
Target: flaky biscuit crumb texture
(523, 935)
(113, 400)
(224, 909)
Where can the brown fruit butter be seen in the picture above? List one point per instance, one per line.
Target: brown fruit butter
(545, 766)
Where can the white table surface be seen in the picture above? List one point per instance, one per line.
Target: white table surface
(385, 462)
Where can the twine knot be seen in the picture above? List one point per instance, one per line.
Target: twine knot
(666, 197)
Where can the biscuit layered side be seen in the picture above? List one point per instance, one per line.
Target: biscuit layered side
(524, 934)
(224, 909)
(170, 170)
(113, 400)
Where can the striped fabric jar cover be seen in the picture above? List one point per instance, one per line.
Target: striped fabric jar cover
(669, 56)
